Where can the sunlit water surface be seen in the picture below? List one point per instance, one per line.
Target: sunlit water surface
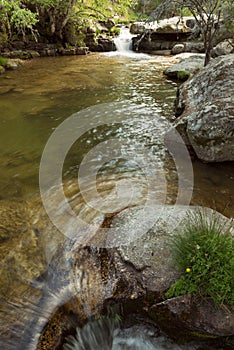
(44, 92)
(138, 101)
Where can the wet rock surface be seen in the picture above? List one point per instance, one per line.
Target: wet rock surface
(136, 272)
(149, 41)
(205, 109)
(122, 259)
(200, 316)
(43, 50)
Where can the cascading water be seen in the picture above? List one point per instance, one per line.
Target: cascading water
(123, 45)
(101, 334)
(124, 41)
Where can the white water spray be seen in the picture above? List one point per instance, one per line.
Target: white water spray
(123, 45)
(124, 41)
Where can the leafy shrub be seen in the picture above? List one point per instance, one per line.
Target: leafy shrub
(203, 252)
(3, 61)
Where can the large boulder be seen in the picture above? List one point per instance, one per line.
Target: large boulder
(125, 258)
(100, 43)
(205, 109)
(162, 35)
(128, 263)
(184, 68)
(173, 24)
(185, 313)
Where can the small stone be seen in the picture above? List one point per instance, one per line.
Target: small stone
(34, 54)
(178, 48)
(11, 65)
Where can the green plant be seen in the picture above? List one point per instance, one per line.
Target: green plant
(80, 43)
(203, 253)
(183, 75)
(3, 61)
(98, 31)
(115, 31)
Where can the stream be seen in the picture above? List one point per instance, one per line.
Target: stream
(112, 111)
(46, 91)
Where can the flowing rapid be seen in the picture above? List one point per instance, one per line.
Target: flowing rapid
(102, 335)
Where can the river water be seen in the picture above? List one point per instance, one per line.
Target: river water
(44, 92)
(122, 107)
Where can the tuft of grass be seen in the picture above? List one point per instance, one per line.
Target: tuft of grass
(3, 61)
(203, 252)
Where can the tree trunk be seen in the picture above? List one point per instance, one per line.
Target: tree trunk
(208, 43)
(207, 56)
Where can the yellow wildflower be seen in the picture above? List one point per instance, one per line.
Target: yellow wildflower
(188, 269)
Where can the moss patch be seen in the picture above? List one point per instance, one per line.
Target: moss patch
(183, 75)
(3, 61)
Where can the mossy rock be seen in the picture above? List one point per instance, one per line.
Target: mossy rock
(183, 75)
(3, 62)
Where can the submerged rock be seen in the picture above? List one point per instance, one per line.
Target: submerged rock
(206, 110)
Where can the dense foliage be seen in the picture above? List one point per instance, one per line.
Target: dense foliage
(63, 21)
(203, 253)
(55, 19)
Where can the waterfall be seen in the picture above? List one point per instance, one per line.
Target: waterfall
(102, 334)
(124, 41)
(123, 45)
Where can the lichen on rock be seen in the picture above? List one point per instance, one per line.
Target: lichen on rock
(207, 110)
